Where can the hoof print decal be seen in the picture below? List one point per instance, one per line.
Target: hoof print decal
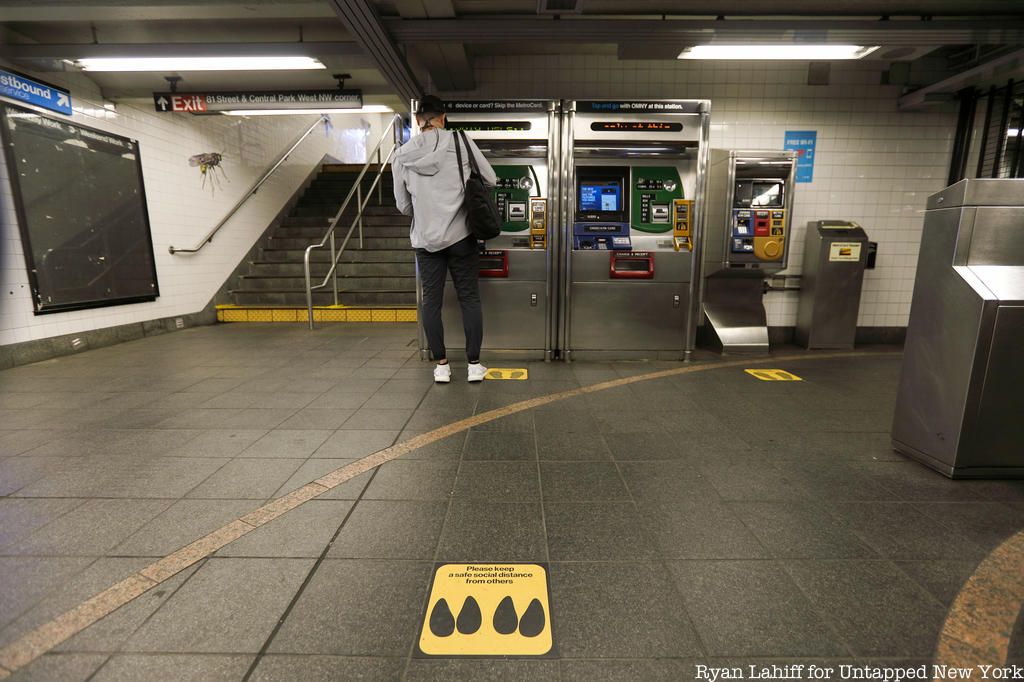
(442, 622)
(532, 623)
(469, 617)
(505, 618)
(484, 610)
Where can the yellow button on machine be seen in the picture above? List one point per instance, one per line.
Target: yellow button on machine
(487, 610)
(767, 248)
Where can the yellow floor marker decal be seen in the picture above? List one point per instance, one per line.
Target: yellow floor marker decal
(487, 610)
(507, 373)
(772, 375)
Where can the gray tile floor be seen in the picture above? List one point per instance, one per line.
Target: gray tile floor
(706, 517)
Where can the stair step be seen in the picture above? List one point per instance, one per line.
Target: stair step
(321, 184)
(382, 273)
(322, 222)
(323, 297)
(369, 242)
(349, 256)
(312, 234)
(384, 269)
(328, 313)
(329, 210)
(340, 190)
(345, 281)
(372, 210)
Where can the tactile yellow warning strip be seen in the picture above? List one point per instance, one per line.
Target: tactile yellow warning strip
(232, 313)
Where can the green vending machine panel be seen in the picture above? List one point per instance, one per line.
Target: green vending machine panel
(653, 190)
(516, 184)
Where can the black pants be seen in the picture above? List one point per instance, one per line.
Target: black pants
(462, 259)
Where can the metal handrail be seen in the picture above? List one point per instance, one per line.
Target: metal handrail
(356, 190)
(252, 190)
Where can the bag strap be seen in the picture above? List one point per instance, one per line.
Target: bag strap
(458, 156)
(469, 153)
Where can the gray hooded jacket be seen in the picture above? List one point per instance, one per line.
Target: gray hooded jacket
(427, 187)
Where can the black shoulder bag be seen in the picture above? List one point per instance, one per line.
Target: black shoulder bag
(482, 215)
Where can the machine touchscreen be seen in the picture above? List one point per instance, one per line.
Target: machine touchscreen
(600, 196)
(766, 193)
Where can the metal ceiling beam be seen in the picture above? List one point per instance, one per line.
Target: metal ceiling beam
(1007, 66)
(142, 10)
(805, 8)
(447, 63)
(696, 32)
(363, 23)
(205, 49)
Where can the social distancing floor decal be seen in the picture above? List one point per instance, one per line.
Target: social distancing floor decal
(507, 373)
(772, 375)
(487, 610)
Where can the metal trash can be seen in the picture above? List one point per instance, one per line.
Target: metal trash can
(835, 255)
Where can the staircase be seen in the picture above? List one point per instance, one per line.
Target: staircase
(376, 282)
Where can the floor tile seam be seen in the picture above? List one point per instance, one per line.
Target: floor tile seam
(530, 403)
(81, 501)
(50, 592)
(660, 560)
(437, 557)
(930, 521)
(86, 501)
(824, 616)
(306, 581)
(150, 616)
(93, 674)
(213, 473)
(540, 496)
(946, 608)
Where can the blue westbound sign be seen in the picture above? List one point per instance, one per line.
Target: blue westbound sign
(28, 91)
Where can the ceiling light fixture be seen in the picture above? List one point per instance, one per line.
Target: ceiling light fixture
(776, 52)
(199, 63)
(366, 109)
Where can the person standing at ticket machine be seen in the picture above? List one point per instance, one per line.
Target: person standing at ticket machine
(428, 187)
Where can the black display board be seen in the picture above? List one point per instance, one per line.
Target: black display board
(81, 209)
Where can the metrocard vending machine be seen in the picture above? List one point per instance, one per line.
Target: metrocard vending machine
(633, 186)
(750, 206)
(517, 286)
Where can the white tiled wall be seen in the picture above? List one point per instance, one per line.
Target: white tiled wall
(875, 165)
(180, 210)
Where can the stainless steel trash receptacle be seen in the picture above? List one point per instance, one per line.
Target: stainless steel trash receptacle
(835, 254)
(958, 405)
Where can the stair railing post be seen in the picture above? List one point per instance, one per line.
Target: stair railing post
(359, 216)
(334, 267)
(380, 187)
(309, 287)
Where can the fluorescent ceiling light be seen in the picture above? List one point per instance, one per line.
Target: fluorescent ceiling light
(366, 109)
(775, 52)
(1012, 132)
(199, 63)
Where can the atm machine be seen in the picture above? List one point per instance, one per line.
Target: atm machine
(632, 202)
(520, 139)
(750, 200)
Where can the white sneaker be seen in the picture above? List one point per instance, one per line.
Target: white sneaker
(442, 373)
(476, 372)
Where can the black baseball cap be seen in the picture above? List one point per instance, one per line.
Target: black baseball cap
(430, 104)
